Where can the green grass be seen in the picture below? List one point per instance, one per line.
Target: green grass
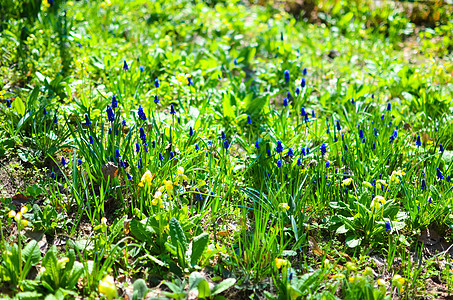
(225, 149)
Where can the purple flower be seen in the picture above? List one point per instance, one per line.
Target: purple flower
(388, 227)
(63, 161)
(302, 83)
(279, 163)
(52, 175)
(440, 176)
(125, 66)
(257, 145)
(114, 101)
(249, 119)
(172, 110)
(156, 82)
(156, 99)
(286, 76)
(141, 113)
(323, 148)
(279, 148)
(418, 142)
(110, 114)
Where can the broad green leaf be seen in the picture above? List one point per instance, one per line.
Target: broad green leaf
(199, 245)
(223, 286)
(352, 241)
(203, 290)
(177, 235)
(31, 252)
(194, 279)
(141, 232)
(140, 289)
(19, 106)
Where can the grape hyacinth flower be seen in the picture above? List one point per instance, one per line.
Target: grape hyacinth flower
(297, 91)
(156, 99)
(440, 176)
(302, 83)
(87, 120)
(172, 109)
(172, 155)
(114, 101)
(374, 146)
(142, 69)
(189, 81)
(226, 145)
(91, 139)
(338, 125)
(286, 76)
(304, 72)
(52, 175)
(63, 161)
(142, 135)
(423, 185)
(79, 161)
(303, 113)
(190, 131)
(117, 153)
(290, 152)
(257, 145)
(327, 164)
(302, 152)
(137, 147)
(279, 148)
(361, 136)
(128, 176)
(279, 163)
(141, 113)
(418, 142)
(388, 226)
(161, 158)
(389, 106)
(441, 148)
(55, 119)
(268, 152)
(249, 119)
(299, 162)
(156, 82)
(110, 114)
(197, 147)
(140, 163)
(285, 102)
(125, 66)
(288, 95)
(323, 149)
(235, 61)
(8, 103)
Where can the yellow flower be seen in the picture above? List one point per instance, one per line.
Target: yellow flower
(180, 175)
(396, 174)
(338, 276)
(141, 184)
(381, 183)
(346, 182)
(381, 282)
(280, 262)
(158, 194)
(12, 214)
(104, 220)
(24, 210)
(351, 279)
(367, 184)
(377, 201)
(107, 287)
(24, 223)
(368, 271)
(168, 185)
(351, 266)
(398, 281)
(284, 206)
(18, 217)
(62, 262)
(147, 177)
(155, 201)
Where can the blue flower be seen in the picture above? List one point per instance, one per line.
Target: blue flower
(142, 69)
(235, 61)
(114, 101)
(189, 81)
(117, 153)
(226, 145)
(279, 148)
(290, 151)
(297, 91)
(91, 139)
(389, 106)
(448, 178)
(391, 139)
(87, 120)
(161, 158)
(124, 123)
(441, 148)
(281, 35)
(156, 82)
(249, 119)
(55, 119)
(361, 134)
(268, 152)
(313, 113)
(172, 109)
(125, 66)
(323, 148)
(304, 72)
(145, 148)
(52, 175)
(299, 162)
(306, 119)
(303, 113)
(440, 176)
(137, 147)
(302, 83)
(8, 103)
(285, 102)
(63, 161)
(352, 101)
(376, 132)
(190, 131)
(374, 146)
(153, 144)
(327, 164)
(209, 143)
(363, 141)
(128, 176)
(223, 135)
(288, 95)
(388, 227)
(423, 185)
(140, 163)
(302, 152)
(382, 117)
(110, 114)
(172, 155)
(197, 147)
(338, 125)
(345, 147)
(286, 76)
(122, 165)
(79, 161)
(142, 135)
(418, 142)
(44, 111)
(308, 150)
(257, 145)
(141, 113)
(156, 99)
(279, 163)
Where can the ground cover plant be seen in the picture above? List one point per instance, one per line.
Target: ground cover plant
(226, 149)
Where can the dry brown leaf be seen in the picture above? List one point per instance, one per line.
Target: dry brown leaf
(109, 170)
